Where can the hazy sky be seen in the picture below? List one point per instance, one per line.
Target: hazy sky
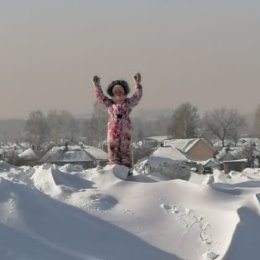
(204, 52)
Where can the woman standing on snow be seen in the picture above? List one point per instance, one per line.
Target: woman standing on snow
(119, 127)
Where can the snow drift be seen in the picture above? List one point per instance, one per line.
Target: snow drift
(50, 212)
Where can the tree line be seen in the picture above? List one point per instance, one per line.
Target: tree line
(185, 122)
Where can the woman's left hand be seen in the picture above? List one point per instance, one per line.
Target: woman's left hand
(137, 78)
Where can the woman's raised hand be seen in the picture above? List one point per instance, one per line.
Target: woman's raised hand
(96, 80)
(137, 78)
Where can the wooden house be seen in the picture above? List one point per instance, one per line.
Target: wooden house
(235, 165)
(196, 149)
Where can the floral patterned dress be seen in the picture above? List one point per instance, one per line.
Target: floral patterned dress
(119, 125)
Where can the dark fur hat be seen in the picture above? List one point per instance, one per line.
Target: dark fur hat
(122, 83)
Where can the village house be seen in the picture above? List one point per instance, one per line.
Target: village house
(246, 153)
(28, 157)
(196, 149)
(153, 141)
(99, 156)
(166, 161)
(86, 156)
(234, 165)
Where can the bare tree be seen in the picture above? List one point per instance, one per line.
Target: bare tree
(257, 121)
(63, 126)
(223, 124)
(143, 127)
(54, 123)
(36, 128)
(69, 126)
(184, 122)
(96, 128)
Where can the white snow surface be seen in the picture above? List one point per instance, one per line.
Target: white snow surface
(68, 213)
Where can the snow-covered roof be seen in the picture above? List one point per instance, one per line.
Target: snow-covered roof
(166, 162)
(157, 138)
(182, 144)
(169, 152)
(28, 154)
(25, 144)
(211, 163)
(185, 145)
(71, 154)
(96, 153)
(76, 156)
(239, 160)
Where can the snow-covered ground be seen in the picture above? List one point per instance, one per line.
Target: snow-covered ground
(67, 213)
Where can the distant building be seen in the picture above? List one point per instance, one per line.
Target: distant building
(210, 164)
(235, 165)
(167, 162)
(154, 141)
(28, 157)
(246, 148)
(62, 155)
(195, 148)
(86, 156)
(97, 154)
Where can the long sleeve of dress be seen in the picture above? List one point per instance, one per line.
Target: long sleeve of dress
(138, 92)
(101, 98)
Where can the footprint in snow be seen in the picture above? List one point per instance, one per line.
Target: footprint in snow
(102, 202)
(189, 219)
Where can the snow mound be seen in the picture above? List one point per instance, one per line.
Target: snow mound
(35, 226)
(6, 167)
(64, 213)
